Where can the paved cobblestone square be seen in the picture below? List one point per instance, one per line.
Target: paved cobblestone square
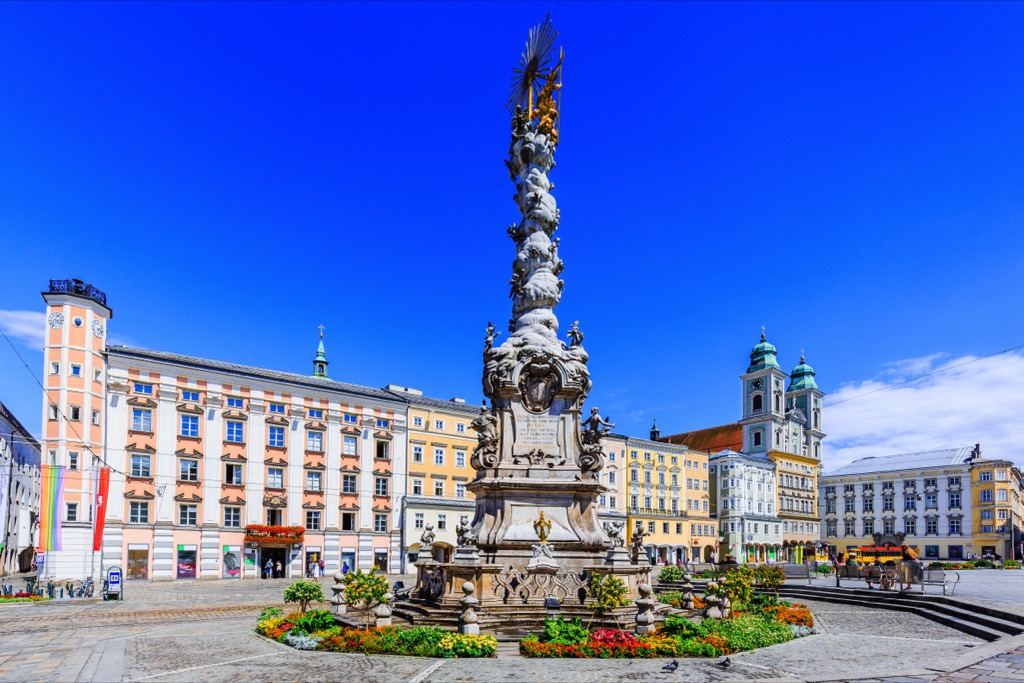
(203, 631)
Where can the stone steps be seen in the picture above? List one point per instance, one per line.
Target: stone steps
(985, 623)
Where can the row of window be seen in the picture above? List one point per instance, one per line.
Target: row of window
(732, 483)
(910, 527)
(737, 504)
(75, 371)
(74, 413)
(142, 421)
(189, 396)
(188, 515)
(635, 455)
(951, 482)
(439, 455)
(417, 421)
(634, 477)
(695, 529)
(188, 470)
(750, 527)
(691, 504)
(931, 501)
(439, 488)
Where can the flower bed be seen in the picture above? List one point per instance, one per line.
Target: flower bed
(21, 597)
(315, 630)
(765, 622)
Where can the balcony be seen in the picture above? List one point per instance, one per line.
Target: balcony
(78, 288)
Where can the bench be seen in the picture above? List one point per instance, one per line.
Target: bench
(940, 577)
(807, 570)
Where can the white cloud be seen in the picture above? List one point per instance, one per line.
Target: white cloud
(968, 401)
(26, 326)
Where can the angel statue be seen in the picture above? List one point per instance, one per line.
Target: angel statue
(596, 427)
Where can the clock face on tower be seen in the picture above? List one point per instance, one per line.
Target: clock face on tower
(56, 320)
(757, 383)
(97, 328)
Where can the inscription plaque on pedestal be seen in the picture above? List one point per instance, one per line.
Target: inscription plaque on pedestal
(536, 432)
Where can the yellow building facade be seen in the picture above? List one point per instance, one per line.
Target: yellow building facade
(996, 508)
(668, 497)
(797, 503)
(440, 444)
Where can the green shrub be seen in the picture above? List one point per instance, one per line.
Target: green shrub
(697, 648)
(769, 578)
(678, 625)
(747, 632)
(315, 620)
(304, 591)
(671, 573)
(1011, 564)
(561, 632)
(670, 597)
(984, 564)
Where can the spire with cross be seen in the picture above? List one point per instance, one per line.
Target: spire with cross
(320, 362)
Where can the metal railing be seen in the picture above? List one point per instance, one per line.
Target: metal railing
(75, 286)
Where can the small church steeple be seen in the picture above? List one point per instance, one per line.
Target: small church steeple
(320, 362)
(655, 432)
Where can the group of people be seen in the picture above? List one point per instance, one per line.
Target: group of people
(314, 570)
(270, 571)
(910, 569)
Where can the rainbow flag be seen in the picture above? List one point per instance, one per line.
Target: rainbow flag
(51, 505)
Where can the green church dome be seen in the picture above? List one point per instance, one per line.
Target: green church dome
(762, 356)
(802, 377)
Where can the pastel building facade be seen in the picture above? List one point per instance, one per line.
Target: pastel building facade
(74, 416)
(669, 497)
(439, 445)
(931, 500)
(744, 494)
(211, 451)
(19, 494)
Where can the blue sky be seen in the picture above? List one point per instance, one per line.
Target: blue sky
(234, 175)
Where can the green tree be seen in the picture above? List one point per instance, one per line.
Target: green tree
(304, 591)
(365, 590)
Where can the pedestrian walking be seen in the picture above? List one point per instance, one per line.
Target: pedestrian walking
(344, 567)
(321, 567)
(280, 573)
(268, 569)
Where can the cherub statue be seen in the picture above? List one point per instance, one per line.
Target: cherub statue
(427, 538)
(575, 336)
(464, 532)
(492, 332)
(615, 534)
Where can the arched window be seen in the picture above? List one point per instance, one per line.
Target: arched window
(757, 438)
(778, 403)
(817, 419)
(817, 451)
(758, 404)
(778, 437)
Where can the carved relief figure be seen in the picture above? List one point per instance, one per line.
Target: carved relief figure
(575, 336)
(464, 531)
(485, 425)
(427, 538)
(636, 550)
(616, 533)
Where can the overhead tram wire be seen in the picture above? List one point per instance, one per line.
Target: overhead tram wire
(927, 374)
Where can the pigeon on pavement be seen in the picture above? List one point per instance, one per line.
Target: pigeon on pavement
(725, 663)
(671, 666)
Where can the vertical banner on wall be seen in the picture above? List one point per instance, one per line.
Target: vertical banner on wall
(50, 506)
(101, 484)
